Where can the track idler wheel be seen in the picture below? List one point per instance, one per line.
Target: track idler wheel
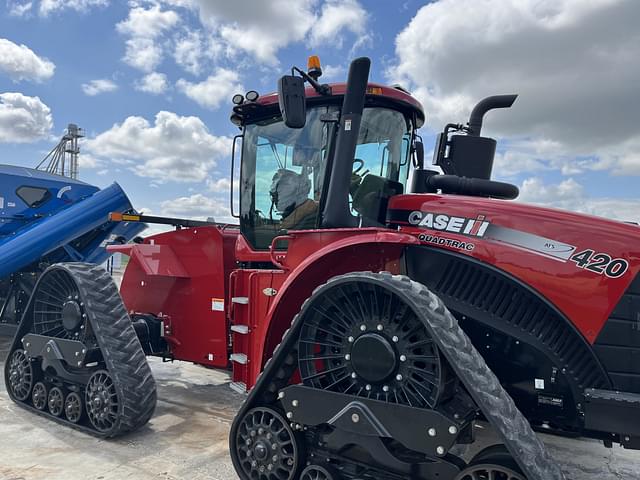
(102, 401)
(267, 447)
(492, 463)
(319, 472)
(55, 401)
(20, 375)
(73, 407)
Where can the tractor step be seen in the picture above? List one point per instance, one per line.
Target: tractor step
(614, 412)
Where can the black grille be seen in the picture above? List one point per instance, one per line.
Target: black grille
(492, 297)
(618, 344)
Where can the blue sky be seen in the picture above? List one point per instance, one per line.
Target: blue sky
(571, 140)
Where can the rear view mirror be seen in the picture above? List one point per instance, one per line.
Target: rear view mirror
(418, 147)
(291, 98)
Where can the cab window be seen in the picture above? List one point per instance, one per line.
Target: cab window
(33, 196)
(282, 176)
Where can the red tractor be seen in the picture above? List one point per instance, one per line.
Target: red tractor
(372, 321)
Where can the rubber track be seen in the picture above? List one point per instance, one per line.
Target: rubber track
(482, 384)
(121, 350)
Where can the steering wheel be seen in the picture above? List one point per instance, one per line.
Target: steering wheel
(360, 166)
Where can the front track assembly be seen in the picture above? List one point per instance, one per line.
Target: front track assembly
(376, 380)
(76, 358)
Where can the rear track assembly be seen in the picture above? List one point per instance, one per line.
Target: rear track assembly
(76, 358)
(389, 385)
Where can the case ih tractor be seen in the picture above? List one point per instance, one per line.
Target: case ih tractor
(371, 321)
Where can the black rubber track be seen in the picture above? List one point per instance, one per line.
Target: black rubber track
(121, 350)
(485, 388)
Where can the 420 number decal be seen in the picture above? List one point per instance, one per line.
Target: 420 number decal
(601, 263)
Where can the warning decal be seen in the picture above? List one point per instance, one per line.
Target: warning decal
(217, 304)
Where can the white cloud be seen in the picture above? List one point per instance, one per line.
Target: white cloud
(334, 73)
(571, 195)
(23, 119)
(174, 148)
(256, 27)
(154, 83)
(50, 6)
(19, 9)
(98, 86)
(188, 52)
(260, 29)
(144, 27)
(197, 206)
(213, 91)
(19, 62)
(336, 17)
(572, 61)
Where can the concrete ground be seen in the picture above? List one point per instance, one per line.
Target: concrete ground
(187, 439)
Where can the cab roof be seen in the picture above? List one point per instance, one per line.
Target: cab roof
(375, 91)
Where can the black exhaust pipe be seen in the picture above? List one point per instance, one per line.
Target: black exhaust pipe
(336, 213)
(489, 103)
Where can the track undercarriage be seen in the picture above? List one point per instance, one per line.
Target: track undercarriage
(390, 387)
(76, 357)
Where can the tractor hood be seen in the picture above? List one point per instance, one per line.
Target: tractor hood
(561, 254)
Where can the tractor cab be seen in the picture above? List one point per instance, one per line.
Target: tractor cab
(290, 150)
(332, 156)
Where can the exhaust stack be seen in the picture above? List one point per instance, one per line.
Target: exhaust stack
(483, 106)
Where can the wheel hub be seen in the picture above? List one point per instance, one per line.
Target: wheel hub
(373, 358)
(71, 316)
(360, 338)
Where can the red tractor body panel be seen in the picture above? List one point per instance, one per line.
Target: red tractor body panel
(535, 245)
(182, 277)
(214, 312)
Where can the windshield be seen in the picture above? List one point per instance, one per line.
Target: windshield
(282, 176)
(283, 169)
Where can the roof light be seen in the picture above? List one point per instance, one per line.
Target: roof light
(314, 69)
(252, 95)
(237, 99)
(374, 90)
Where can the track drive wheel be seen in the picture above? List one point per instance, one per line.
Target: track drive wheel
(318, 472)
(267, 447)
(492, 463)
(20, 375)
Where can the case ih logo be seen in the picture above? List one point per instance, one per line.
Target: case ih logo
(474, 227)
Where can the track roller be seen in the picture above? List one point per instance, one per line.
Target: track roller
(39, 396)
(55, 401)
(73, 407)
(76, 358)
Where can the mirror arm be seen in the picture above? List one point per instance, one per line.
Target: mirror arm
(322, 89)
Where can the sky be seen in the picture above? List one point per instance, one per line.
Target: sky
(151, 83)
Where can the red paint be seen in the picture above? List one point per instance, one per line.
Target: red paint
(183, 270)
(339, 88)
(176, 275)
(583, 296)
